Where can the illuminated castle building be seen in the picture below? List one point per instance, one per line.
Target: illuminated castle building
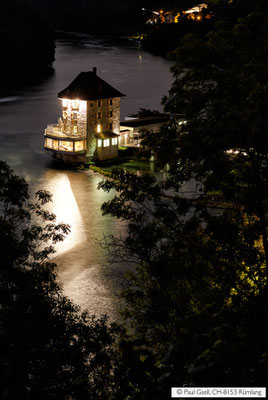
(89, 128)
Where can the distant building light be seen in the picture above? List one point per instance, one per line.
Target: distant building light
(99, 143)
(98, 128)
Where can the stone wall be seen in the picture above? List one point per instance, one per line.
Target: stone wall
(116, 115)
(106, 115)
(107, 153)
(92, 110)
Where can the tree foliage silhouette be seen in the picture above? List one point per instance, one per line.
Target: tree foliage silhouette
(197, 296)
(49, 350)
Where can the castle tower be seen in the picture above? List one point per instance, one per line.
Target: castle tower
(90, 124)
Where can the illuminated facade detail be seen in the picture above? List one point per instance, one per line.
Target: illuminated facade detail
(90, 123)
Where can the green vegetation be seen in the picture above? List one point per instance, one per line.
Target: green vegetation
(195, 307)
(197, 299)
(100, 170)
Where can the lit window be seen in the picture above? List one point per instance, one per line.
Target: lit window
(74, 103)
(64, 103)
(75, 129)
(114, 141)
(106, 143)
(66, 146)
(98, 128)
(48, 143)
(79, 145)
(99, 142)
(55, 144)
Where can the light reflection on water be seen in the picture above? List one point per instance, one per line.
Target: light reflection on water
(65, 207)
(84, 269)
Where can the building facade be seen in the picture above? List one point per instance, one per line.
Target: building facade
(89, 127)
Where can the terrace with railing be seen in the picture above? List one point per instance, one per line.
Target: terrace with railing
(60, 138)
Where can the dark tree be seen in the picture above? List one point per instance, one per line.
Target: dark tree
(197, 298)
(49, 350)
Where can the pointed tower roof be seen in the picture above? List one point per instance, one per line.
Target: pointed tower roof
(89, 86)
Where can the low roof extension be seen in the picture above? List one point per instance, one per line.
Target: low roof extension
(89, 86)
(151, 120)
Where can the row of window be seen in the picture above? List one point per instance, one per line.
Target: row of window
(106, 142)
(74, 115)
(100, 102)
(99, 115)
(65, 145)
(75, 103)
(110, 127)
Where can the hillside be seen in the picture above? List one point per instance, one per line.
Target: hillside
(27, 43)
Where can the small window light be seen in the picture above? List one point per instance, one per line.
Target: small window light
(65, 103)
(98, 128)
(74, 103)
(99, 143)
(106, 143)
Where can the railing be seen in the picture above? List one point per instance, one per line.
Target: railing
(61, 132)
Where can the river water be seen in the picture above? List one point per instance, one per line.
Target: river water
(83, 265)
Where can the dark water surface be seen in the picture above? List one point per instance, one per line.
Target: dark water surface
(84, 269)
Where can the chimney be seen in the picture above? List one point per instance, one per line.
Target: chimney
(94, 70)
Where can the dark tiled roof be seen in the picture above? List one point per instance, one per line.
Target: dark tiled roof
(89, 86)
